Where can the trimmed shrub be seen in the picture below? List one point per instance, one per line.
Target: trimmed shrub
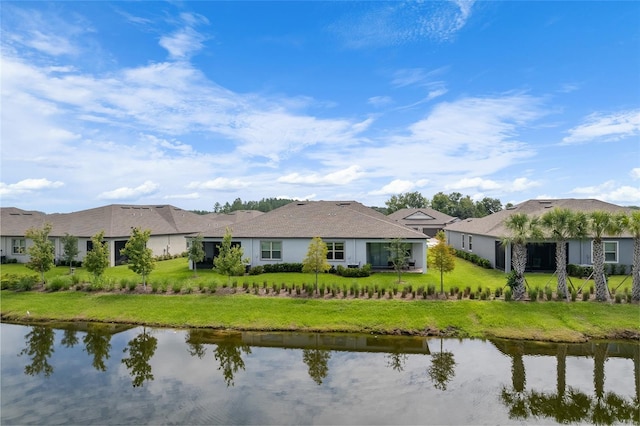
(365, 271)
(256, 270)
(282, 267)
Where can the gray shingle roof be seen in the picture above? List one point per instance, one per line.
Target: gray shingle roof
(492, 225)
(421, 216)
(326, 219)
(115, 219)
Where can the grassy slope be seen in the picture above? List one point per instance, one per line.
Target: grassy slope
(541, 320)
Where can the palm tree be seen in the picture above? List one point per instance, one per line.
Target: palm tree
(632, 224)
(563, 224)
(523, 229)
(601, 223)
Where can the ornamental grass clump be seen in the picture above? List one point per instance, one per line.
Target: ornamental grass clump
(507, 295)
(585, 296)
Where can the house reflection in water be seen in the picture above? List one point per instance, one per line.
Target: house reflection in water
(326, 341)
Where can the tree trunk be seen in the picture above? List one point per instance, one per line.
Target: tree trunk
(519, 262)
(635, 286)
(561, 269)
(602, 292)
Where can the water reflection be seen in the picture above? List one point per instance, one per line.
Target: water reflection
(442, 368)
(39, 347)
(140, 349)
(567, 404)
(326, 378)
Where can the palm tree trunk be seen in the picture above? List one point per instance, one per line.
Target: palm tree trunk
(519, 262)
(561, 269)
(602, 292)
(635, 286)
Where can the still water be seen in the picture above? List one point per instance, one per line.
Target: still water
(109, 374)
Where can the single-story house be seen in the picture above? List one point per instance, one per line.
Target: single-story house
(426, 220)
(168, 225)
(483, 236)
(355, 235)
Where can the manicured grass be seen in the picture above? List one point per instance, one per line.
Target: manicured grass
(175, 271)
(210, 305)
(554, 321)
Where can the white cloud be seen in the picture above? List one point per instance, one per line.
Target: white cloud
(26, 186)
(182, 43)
(605, 128)
(126, 193)
(396, 23)
(635, 173)
(220, 183)
(477, 183)
(610, 191)
(341, 177)
(380, 101)
(190, 196)
(399, 186)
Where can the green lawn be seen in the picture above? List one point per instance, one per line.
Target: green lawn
(211, 303)
(175, 272)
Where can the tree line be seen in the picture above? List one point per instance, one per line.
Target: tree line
(454, 204)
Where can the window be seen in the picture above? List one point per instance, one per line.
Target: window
(335, 251)
(18, 246)
(271, 250)
(610, 251)
(470, 242)
(463, 241)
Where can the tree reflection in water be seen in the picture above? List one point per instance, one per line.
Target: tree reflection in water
(318, 362)
(141, 350)
(97, 342)
(229, 355)
(397, 360)
(568, 405)
(69, 338)
(39, 346)
(442, 368)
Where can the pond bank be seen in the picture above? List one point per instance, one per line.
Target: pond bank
(547, 321)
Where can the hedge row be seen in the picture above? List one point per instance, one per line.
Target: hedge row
(473, 258)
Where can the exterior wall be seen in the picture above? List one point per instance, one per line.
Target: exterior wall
(580, 252)
(483, 246)
(294, 250)
(159, 244)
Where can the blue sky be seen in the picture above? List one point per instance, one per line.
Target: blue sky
(192, 103)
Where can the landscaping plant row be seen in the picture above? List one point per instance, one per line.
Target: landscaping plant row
(17, 282)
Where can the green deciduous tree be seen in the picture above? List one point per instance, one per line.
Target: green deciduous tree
(442, 257)
(600, 224)
(411, 200)
(523, 229)
(229, 260)
(41, 253)
(69, 249)
(631, 223)
(316, 259)
(196, 252)
(139, 257)
(562, 225)
(97, 259)
(398, 256)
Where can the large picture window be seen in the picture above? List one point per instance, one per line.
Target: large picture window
(271, 250)
(335, 251)
(18, 246)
